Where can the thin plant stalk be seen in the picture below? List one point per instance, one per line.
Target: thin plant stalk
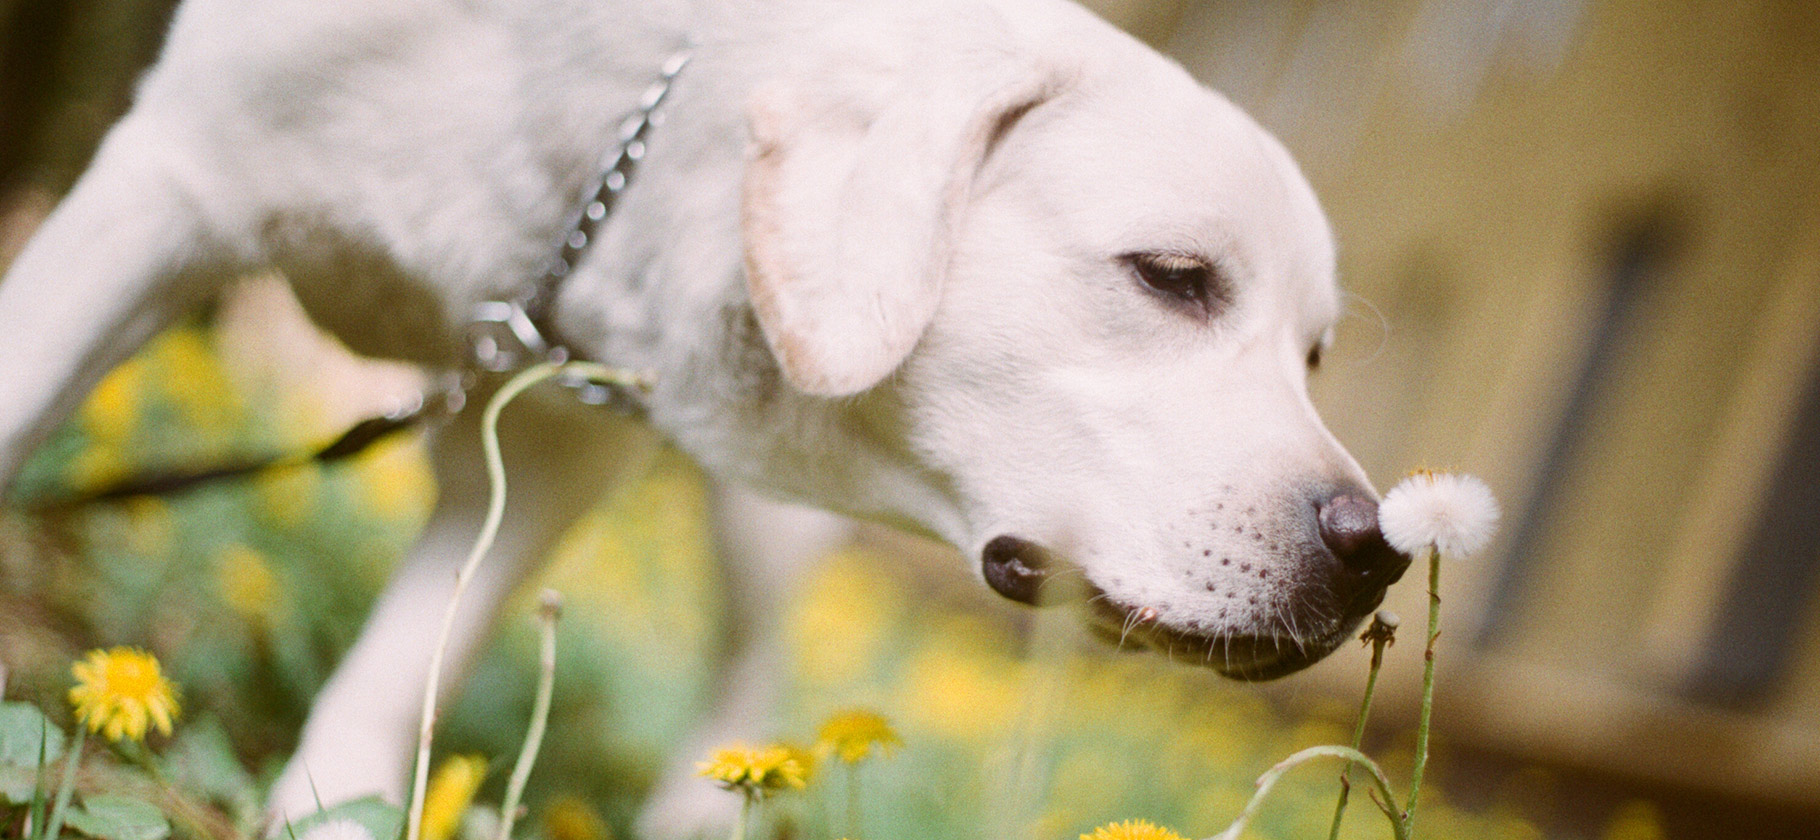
(54, 824)
(547, 613)
(1275, 774)
(1428, 687)
(1378, 642)
(34, 814)
(853, 800)
(489, 530)
(745, 814)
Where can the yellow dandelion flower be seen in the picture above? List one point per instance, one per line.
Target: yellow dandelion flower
(804, 758)
(1132, 830)
(755, 770)
(120, 692)
(451, 791)
(851, 735)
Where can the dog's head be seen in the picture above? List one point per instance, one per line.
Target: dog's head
(1080, 298)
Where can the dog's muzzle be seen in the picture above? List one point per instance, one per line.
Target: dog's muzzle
(1359, 566)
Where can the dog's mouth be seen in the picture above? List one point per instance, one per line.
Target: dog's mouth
(1285, 642)
(1249, 656)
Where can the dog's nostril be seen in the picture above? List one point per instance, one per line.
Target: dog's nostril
(1347, 523)
(1349, 527)
(1022, 571)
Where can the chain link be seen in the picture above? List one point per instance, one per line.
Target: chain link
(515, 332)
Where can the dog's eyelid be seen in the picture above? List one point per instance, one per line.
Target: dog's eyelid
(1184, 278)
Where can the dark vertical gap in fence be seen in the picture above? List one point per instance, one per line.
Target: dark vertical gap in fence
(1773, 582)
(1641, 248)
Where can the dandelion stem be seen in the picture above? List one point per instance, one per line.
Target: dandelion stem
(1358, 732)
(1428, 687)
(1275, 774)
(748, 796)
(853, 817)
(489, 530)
(54, 825)
(547, 614)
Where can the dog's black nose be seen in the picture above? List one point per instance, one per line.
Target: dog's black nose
(1022, 571)
(1349, 527)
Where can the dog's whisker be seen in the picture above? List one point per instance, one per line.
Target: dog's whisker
(1125, 632)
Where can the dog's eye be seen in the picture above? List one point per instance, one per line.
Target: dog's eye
(1314, 357)
(1184, 280)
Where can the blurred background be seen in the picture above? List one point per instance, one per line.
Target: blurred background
(1582, 244)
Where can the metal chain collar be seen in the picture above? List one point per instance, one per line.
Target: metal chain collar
(515, 332)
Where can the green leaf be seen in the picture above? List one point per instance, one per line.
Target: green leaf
(382, 819)
(118, 818)
(17, 784)
(202, 761)
(22, 730)
(27, 740)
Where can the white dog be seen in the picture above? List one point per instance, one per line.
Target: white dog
(987, 269)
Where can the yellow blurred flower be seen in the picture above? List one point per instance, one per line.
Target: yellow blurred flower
(120, 692)
(111, 411)
(195, 382)
(96, 467)
(844, 617)
(1132, 830)
(755, 770)
(248, 584)
(451, 791)
(287, 496)
(850, 735)
(149, 526)
(571, 818)
(804, 758)
(396, 480)
(956, 691)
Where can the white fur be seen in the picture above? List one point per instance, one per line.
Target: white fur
(933, 199)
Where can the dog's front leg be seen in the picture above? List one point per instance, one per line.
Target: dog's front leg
(763, 545)
(124, 254)
(362, 732)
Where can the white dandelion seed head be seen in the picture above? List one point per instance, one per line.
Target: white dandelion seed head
(337, 829)
(1454, 513)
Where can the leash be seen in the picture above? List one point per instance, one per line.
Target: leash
(507, 334)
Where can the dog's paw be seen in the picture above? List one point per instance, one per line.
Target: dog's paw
(687, 807)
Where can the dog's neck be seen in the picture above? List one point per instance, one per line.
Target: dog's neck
(663, 289)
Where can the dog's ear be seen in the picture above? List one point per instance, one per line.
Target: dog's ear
(851, 204)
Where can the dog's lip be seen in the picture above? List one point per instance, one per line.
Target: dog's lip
(1240, 656)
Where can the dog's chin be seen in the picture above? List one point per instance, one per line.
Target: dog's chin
(1235, 654)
